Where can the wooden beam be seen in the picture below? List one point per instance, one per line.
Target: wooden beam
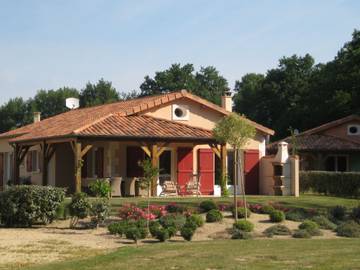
(44, 148)
(77, 166)
(85, 150)
(155, 163)
(216, 150)
(146, 150)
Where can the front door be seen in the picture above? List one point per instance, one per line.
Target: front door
(251, 171)
(206, 171)
(1, 171)
(184, 166)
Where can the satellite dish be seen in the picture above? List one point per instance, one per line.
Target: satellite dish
(72, 103)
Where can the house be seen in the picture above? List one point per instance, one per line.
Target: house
(174, 130)
(334, 146)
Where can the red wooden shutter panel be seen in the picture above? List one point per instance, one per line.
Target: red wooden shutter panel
(251, 171)
(29, 162)
(134, 154)
(99, 161)
(206, 171)
(84, 167)
(184, 166)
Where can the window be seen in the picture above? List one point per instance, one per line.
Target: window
(354, 130)
(336, 163)
(32, 161)
(180, 112)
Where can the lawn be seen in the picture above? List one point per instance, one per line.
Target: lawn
(304, 201)
(230, 254)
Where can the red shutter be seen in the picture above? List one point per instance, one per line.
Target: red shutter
(134, 155)
(251, 171)
(184, 166)
(29, 161)
(206, 171)
(99, 162)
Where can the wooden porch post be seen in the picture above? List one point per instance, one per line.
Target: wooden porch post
(155, 163)
(19, 155)
(79, 153)
(44, 147)
(16, 167)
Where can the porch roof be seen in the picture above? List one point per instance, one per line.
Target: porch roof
(133, 127)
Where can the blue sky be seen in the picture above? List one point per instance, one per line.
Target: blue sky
(50, 44)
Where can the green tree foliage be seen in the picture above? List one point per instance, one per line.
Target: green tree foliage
(13, 114)
(206, 83)
(52, 102)
(300, 94)
(96, 94)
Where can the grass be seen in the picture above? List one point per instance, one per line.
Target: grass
(304, 201)
(231, 254)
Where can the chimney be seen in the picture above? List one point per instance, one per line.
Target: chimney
(282, 154)
(226, 101)
(37, 117)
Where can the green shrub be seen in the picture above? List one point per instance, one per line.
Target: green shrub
(214, 215)
(267, 209)
(154, 226)
(78, 207)
(355, 214)
(311, 227)
(348, 229)
(239, 234)
(241, 212)
(338, 212)
(324, 222)
(198, 219)
(22, 206)
(187, 233)
(117, 228)
(190, 223)
(136, 230)
(174, 220)
(277, 216)
(100, 188)
(297, 214)
(175, 208)
(162, 235)
(277, 230)
(301, 234)
(99, 211)
(62, 212)
(343, 184)
(243, 225)
(206, 206)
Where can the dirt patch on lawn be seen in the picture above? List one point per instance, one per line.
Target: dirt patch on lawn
(43, 244)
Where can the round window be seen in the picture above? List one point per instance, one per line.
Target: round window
(179, 112)
(353, 130)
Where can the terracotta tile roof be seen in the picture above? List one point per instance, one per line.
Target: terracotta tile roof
(332, 124)
(318, 142)
(144, 127)
(72, 122)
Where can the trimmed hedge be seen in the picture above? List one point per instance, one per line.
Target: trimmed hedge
(345, 184)
(24, 205)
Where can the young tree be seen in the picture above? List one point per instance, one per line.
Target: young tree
(236, 131)
(150, 172)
